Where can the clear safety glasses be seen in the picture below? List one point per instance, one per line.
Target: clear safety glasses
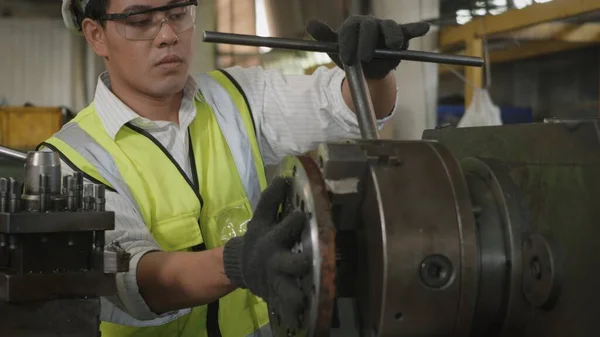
(145, 24)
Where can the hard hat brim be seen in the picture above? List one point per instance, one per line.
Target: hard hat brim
(68, 18)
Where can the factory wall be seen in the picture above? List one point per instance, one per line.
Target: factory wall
(205, 52)
(417, 81)
(562, 85)
(40, 63)
(46, 65)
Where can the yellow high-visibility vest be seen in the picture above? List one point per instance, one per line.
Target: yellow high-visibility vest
(182, 213)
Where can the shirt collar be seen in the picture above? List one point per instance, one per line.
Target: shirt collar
(114, 114)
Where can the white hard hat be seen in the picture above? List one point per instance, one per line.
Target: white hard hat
(70, 19)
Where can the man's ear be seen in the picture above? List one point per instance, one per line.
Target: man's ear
(96, 36)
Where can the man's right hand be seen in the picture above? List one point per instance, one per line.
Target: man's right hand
(262, 260)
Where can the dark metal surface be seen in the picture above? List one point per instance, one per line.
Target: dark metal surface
(501, 245)
(29, 222)
(56, 318)
(542, 275)
(309, 194)
(416, 214)
(555, 167)
(365, 113)
(501, 226)
(55, 254)
(332, 47)
(343, 166)
(52, 258)
(49, 286)
(412, 274)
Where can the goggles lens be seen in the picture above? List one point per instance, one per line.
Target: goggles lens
(146, 24)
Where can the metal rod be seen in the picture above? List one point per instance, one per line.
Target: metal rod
(332, 47)
(363, 105)
(12, 154)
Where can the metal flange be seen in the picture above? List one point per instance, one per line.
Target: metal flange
(309, 195)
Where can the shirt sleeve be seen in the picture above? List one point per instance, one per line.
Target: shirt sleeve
(295, 113)
(132, 235)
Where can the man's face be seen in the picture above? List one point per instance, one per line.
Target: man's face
(145, 55)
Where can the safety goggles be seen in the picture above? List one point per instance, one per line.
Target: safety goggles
(145, 24)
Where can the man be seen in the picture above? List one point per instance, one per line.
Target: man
(183, 159)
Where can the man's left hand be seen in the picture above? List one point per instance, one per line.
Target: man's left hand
(359, 36)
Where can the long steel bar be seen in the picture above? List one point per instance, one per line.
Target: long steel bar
(12, 154)
(332, 47)
(365, 113)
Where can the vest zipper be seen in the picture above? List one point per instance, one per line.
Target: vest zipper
(212, 315)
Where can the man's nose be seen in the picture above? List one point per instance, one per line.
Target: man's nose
(166, 34)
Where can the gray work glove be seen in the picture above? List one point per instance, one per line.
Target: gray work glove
(360, 35)
(262, 260)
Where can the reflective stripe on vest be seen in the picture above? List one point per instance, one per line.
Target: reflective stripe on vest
(92, 151)
(236, 135)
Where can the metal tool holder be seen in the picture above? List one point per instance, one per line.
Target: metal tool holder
(54, 262)
(354, 73)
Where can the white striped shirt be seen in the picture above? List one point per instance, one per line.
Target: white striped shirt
(292, 115)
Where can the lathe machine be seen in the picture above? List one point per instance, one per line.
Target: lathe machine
(473, 232)
(470, 232)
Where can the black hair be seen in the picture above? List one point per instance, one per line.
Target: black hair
(95, 9)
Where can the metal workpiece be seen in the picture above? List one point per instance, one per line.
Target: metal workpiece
(332, 47)
(309, 195)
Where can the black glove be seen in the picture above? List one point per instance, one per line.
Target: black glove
(262, 260)
(360, 35)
